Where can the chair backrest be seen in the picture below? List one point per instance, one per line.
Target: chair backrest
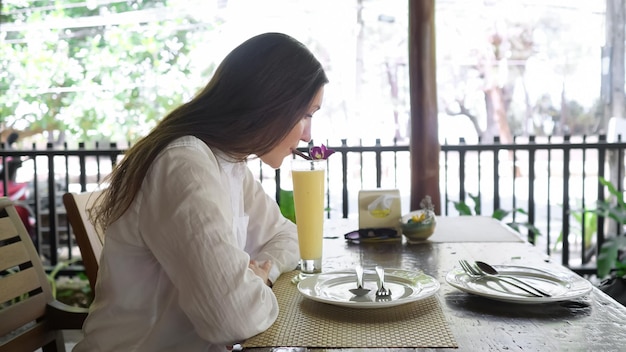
(90, 240)
(30, 317)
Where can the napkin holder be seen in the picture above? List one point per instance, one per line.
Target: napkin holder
(380, 208)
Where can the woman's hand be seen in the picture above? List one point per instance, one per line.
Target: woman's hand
(262, 270)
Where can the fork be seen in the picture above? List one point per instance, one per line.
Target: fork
(382, 294)
(476, 273)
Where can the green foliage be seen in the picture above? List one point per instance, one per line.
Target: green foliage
(580, 120)
(14, 300)
(52, 276)
(286, 205)
(610, 256)
(590, 220)
(500, 214)
(464, 209)
(78, 293)
(614, 206)
(109, 81)
(586, 225)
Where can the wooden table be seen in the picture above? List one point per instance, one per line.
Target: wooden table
(595, 322)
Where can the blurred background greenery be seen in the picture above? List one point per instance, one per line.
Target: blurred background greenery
(108, 70)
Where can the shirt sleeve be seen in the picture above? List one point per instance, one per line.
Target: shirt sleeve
(186, 221)
(270, 235)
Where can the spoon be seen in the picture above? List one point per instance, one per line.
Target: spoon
(487, 268)
(359, 290)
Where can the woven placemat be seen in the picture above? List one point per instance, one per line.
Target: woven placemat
(302, 322)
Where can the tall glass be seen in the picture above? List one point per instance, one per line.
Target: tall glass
(308, 196)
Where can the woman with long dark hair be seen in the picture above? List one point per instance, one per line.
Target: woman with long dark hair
(192, 241)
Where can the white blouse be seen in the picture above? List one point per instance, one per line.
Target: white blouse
(174, 271)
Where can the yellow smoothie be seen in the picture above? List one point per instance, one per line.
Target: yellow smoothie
(308, 197)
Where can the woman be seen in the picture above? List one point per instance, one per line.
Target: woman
(192, 240)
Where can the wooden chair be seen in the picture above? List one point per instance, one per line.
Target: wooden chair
(30, 317)
(89, 239)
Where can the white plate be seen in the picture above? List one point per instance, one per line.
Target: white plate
(561, 286)
(333, 288)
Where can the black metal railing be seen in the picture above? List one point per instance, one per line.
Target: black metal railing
(48, 173)
(549, 179)
(565, 168)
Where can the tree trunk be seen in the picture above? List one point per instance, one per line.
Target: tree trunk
(615, 43)
(499, 114)
(614, 100)
(392, 79)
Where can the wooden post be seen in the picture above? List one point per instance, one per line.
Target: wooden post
(423, 89)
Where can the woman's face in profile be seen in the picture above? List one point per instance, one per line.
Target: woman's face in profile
(300, 132)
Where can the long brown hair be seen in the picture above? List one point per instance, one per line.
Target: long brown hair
(259, 92)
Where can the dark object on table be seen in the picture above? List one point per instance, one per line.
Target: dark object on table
(384, 234)
(615, 287)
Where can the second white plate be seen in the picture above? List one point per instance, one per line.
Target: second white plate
(333, 288)
(561, 286)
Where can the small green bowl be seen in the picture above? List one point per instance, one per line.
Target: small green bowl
(416, 232)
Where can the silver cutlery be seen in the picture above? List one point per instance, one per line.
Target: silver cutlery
(359, 290)
(382, 294)
(475, 272)
(490, 270)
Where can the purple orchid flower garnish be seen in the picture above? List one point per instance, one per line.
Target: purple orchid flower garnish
(320, 153)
